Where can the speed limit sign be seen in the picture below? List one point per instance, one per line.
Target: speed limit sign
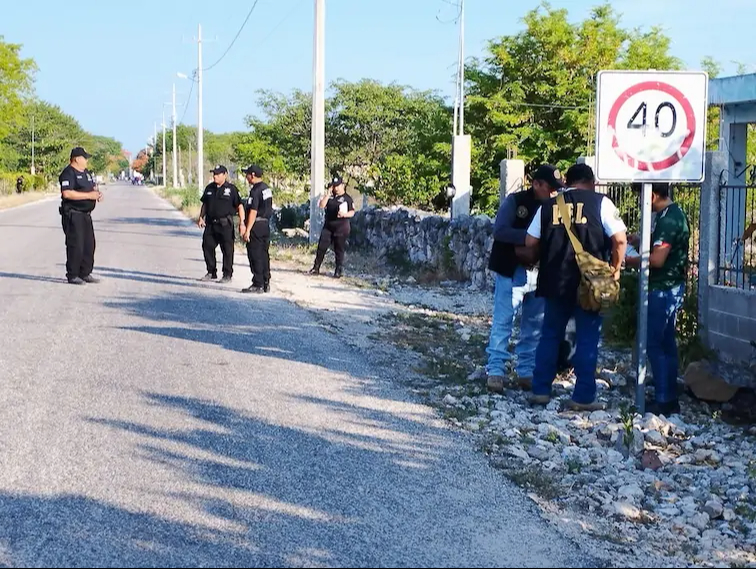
(651, 126)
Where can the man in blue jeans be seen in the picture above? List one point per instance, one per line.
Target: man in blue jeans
(669, 263)
(516, 280)
(600, 229)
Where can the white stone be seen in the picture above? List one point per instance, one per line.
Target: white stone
(630, 492)
(517, 452)
(729, 515)
(656, 438)
(668, 512)
(699, 521)
(451, 401)
(614, 456)
(600, 416)
(539, 453)
(714, 509)
(627, 511)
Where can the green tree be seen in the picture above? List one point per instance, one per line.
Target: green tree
(16, 84)
(533, 94)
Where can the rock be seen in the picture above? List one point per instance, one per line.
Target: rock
(714, 509)
(451, 401)
(411, 280)
(614, 457)
(699, 521)
(600, 416)
(712, 535)
(631, 492)
(728, 515)
(656, 438)
(478, 375)
(706, 384)
(650, 460)
(517, 452)
(668, 512)
(637, 445)
(626, 511)
(539, 453)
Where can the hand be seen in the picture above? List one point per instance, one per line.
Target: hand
(617, 275)
(340, 215)
(201, 222)
(246, 236)
(242, 229)
(99, 196)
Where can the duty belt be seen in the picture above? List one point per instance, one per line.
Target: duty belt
(261, 219)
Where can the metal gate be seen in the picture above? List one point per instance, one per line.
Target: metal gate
(737, 226)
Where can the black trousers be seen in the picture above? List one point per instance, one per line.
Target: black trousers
(80, 243)
(258, 252)
(220, 232)
(336, 234)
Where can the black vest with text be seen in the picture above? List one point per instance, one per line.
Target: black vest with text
(559, 276)
(503, 259)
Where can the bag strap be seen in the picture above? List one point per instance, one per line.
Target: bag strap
(567, 220)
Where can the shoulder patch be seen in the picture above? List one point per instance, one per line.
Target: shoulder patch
(522, 212)
(65, 183)
(267, 194)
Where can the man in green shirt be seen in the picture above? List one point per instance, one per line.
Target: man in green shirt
(669, 262)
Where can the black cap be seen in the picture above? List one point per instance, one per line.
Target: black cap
(336, 181)
(255, 171)
(549, 174)
(79, 151)
(219, 169)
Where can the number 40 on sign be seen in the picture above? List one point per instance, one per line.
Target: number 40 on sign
(651, 126)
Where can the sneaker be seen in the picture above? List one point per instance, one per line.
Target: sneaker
(253, 290)
(540, 399)
(495, 383)
(575, 406)
(76, 281)
(666, 409)
(225, 280)
(90, 279)
(314, 272)
(209, 277)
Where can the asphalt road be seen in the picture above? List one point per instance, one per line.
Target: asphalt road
(154, 420)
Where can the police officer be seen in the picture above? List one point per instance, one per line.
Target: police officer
(20, 184)
(516, 279)
(79, 196)
(220, 201)
(602, 233)
(257, 232)
(339, 209)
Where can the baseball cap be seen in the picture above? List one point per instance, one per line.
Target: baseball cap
(79, 151)
(336, 181)
(219, 169)
(549, 174)
(254, 170)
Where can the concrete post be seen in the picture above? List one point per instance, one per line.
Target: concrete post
(709, 238)
(512, 177)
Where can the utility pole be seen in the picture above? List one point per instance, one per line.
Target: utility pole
(33, 165)
(461, 143)
(173, 119)
(200, 131)
(154, 148)
(317, 157)
(165, 181)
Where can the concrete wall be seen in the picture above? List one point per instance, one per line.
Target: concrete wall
(732, 322)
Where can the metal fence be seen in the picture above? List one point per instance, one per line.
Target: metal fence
(737, 225)
(688, 196)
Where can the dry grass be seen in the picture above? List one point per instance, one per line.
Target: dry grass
(15, 200)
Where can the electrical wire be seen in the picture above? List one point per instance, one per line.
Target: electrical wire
(225, 53)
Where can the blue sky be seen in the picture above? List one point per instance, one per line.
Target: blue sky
(133, 50)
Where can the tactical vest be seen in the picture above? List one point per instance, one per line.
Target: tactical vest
(503, 259)
(559, 276)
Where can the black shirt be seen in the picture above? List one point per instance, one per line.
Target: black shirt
(334, 204)
(71, 179)
(261, 200)
(221, 201)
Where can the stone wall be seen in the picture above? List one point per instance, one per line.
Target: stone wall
(460, 247)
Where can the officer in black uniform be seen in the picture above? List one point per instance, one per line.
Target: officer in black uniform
(257, 232)
(220, 201)
(79, 196)
(20, 184)
(339, 209)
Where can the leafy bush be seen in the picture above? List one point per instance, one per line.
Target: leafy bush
(36, 183)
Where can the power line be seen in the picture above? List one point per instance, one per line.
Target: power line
(189, 98)
(249, 15)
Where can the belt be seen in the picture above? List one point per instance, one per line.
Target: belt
(219, 219)
(261, 219)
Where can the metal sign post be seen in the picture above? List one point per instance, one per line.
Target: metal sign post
(651, 127)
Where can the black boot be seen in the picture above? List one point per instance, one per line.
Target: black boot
(315, 271)
(266, 286)
(338, 273)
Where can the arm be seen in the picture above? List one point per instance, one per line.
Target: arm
(76, 195)
(240, 211)
(657, 259)
(533, 238)
(619, 248)
(201, 219)
(503, 227)
(324, 200)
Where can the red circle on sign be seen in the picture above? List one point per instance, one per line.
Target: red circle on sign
(689, 115)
